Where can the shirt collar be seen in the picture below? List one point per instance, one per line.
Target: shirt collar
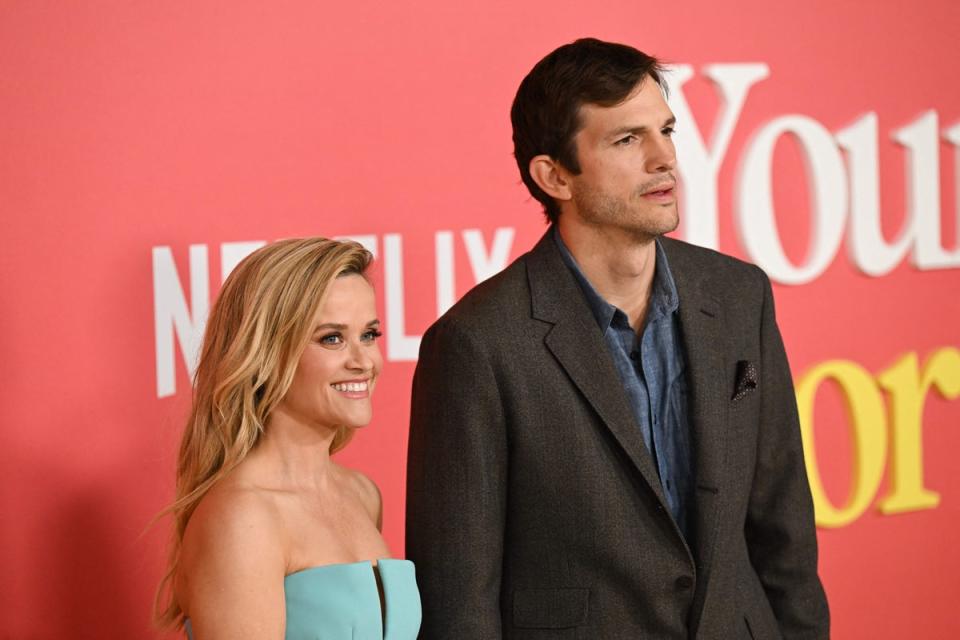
(663, 298)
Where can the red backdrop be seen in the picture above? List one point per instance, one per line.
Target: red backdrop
(144, 146)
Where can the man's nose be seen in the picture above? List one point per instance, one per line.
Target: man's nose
(661, 155)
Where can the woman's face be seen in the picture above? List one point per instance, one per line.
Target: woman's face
(335, 376)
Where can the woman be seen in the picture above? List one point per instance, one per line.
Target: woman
(273, 539)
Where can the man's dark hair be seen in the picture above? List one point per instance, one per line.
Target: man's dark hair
(546, 110)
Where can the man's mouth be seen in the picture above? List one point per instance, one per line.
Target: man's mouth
(663, 192)
(663, 185)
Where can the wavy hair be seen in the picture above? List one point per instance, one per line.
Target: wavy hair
(254, 337)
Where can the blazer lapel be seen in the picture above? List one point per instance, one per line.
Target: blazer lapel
(577, 343)
(704, 337)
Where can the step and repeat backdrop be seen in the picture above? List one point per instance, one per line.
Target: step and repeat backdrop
(146, 147)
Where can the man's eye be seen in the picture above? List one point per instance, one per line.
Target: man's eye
(371, 336)
(626, 139)
(668, 131)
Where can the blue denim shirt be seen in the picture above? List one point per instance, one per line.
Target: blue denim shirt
(651, 370)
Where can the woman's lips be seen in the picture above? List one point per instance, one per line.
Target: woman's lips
(353, 388)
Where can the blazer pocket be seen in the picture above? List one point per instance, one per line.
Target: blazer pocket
(746, 380)
(550, 608)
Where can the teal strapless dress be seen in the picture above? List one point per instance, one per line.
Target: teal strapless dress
(342, 602)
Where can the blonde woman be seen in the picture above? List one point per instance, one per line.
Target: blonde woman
(273, 539)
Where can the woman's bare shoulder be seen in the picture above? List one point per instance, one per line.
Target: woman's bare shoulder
(234, 533)
(232, 564)
(233, 505)
(366, 491)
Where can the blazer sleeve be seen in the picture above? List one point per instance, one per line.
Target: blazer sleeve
(456, 484)
(780, 530)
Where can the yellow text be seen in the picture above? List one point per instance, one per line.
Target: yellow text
(881, 434)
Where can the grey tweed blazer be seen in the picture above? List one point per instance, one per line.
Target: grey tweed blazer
(534, 510)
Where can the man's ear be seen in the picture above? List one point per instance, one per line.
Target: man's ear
(551, 177)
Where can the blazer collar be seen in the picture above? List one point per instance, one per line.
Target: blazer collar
(576, 341)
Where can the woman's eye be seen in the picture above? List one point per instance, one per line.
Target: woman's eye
(332, 339)
(371, 336)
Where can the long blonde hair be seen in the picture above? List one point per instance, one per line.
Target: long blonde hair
(255, 334)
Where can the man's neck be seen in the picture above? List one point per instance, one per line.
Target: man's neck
(619, 266)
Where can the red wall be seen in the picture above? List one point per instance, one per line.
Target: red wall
(131, 131)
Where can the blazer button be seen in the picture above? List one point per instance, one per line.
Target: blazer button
(683, 583)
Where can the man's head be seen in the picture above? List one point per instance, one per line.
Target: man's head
(565, 93)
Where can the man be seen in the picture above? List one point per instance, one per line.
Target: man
(604, 439)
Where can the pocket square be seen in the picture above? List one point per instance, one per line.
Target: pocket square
(746, 379)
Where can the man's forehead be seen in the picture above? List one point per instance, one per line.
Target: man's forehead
(644, 106)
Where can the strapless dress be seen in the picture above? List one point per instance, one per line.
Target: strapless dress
(342, 602)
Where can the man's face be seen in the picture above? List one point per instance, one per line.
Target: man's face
(627, 159)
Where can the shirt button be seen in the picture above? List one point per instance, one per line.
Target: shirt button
(683, 583)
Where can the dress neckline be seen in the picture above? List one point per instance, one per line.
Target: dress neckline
(374, 563)
(355, 569)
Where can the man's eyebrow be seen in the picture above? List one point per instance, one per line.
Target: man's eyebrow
(619, 131)
(672, 120)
